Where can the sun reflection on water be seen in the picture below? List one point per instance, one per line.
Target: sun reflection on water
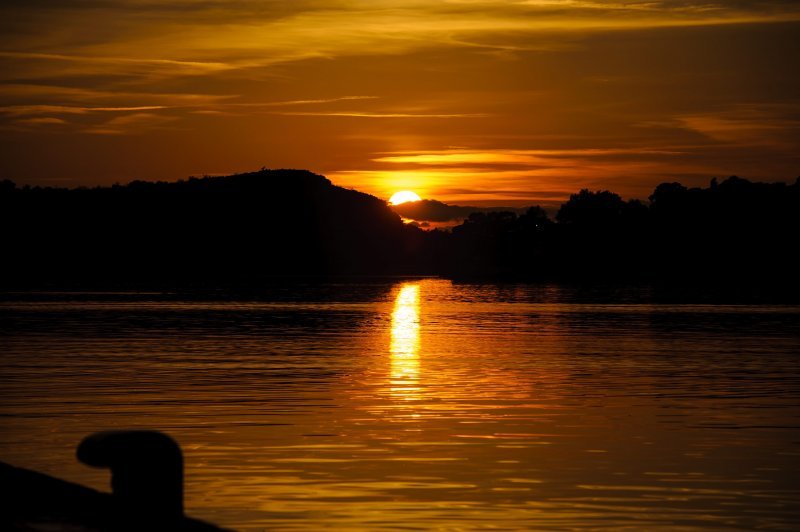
(404, 346)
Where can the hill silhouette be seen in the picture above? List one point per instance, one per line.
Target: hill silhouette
(277, 223)
(236, 228)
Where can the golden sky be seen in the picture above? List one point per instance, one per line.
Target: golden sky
(479, 102)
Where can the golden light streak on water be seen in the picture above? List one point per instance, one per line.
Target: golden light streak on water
(404, 346)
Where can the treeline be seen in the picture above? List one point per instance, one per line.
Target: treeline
(733, 231)
(277, 223)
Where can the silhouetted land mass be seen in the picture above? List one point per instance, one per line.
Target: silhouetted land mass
(248, 227)
(428, 210)
(730, 235)
(238, 228)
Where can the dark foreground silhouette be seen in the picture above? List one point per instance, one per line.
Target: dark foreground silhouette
(147, 489)
(250, 228)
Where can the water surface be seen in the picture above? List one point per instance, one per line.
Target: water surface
(422, 405)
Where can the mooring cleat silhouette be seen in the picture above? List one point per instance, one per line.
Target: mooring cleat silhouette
(146, 482)
(146, 472)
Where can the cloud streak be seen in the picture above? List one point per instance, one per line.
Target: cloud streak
(356, 114)
(21, 110)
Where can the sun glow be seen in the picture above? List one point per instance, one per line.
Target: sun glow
(403, 196)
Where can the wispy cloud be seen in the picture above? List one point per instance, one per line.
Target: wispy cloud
(744, 125)
(177, 105)
(304, 102)
(19, 110)
(170, 63)
(210, 104)
(513, 157)
(736, 128)
(357, 114)
(131, 123)
(42, 121)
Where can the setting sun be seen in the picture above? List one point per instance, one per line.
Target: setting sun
(403, 196)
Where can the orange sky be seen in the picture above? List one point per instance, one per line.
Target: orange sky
(474, 102)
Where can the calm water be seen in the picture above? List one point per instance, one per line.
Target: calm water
(422, 405)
